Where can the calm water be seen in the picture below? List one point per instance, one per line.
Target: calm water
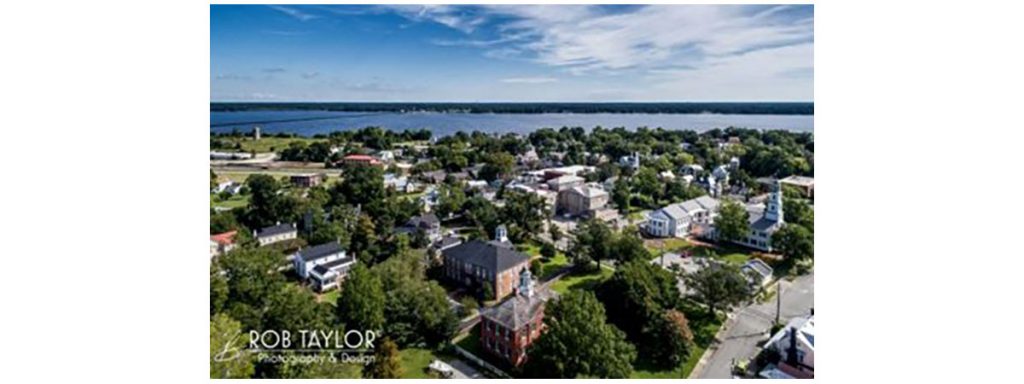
(309, 123)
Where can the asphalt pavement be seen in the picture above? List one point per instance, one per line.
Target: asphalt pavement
(750, 325)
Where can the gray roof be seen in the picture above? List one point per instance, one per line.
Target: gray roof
(492, 256)
(758, 266)
(322, 269)
(426, 221)
(275, 230)
(320, 251)
(519, 310)
(757, 220)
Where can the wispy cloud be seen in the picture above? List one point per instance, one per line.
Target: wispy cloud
(274, 70)
(529, 80)
(310, 75)
(594, 39)
(293, 12)
(231, 76)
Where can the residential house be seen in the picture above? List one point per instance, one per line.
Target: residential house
(692, 169)
(323, 265)
(492, 263)
(508, 329)
(276, 233)
(581, 200)
(360, 160)
(803, 184)
(222, 243)
(428, 223)
(795, 347)
(631, 161)
(308, 180)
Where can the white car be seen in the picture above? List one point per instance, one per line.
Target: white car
(442, 368)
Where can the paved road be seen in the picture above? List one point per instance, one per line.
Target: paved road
(750, 325)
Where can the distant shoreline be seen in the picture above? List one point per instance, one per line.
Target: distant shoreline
(724, 108)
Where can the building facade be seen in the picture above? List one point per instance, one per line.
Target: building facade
(508, 329)
(276, 233)
(479, 263)
(323, 266)
(581, 201)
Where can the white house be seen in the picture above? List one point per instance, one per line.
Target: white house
(676, 220)
(322, 265)
(277, 233)
(795, 346)
(632, 161)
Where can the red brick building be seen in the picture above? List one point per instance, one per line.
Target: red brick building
(507, 330)
(360, 160)
(478, 263)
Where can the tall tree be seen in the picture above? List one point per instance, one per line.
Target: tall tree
(364, 240)
(732, 222)
(794, 241)
(525, 212)
(717, 285)
(294, 308)
(621, 195)
(252, 279)
(578, 342)
(218, 289)
(668, 339)
(228, 356)
(593, 243)
(386, 363)
(636, 292)
(361, 303)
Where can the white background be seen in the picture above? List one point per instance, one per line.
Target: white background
(105, 210)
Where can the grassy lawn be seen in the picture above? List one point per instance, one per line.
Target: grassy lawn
(236, 201)
(240, 176)
(581, 280)
(556, 264)
(267, 144)
(415, 362)
(331, 297)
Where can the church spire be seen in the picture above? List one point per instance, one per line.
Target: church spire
(774, 210)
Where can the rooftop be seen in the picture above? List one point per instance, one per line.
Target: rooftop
(320, 251)
(224, 238)
(491, 256)
(275, 230)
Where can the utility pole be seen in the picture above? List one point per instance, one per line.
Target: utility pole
(778, 301)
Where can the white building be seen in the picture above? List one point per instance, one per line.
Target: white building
(676, 220)
(323, 265)
(565, 182)
(631, 161)
(795, 346)
(277, 233)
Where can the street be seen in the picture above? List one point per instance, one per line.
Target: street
(750, 325)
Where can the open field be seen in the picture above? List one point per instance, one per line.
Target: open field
(264, 144)
(415, 362)
(239, 176)
(236, 201)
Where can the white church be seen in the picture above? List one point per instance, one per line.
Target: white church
(696, 218)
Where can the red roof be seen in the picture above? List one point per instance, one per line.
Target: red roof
(359, 157)
(224, 238)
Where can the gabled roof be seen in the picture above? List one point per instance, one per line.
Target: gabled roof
(320, 251)
(324, 269)
(519, 310)
(224, 238)
(491, 256)
(275, 230)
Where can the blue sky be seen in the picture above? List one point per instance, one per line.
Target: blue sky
(511, 53)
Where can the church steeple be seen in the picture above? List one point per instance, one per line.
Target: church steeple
(774, 210)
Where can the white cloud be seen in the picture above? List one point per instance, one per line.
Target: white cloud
(297, 14)
(529, 80)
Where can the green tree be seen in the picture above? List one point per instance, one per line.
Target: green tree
(416, 310)
(621, 195)
(525, 213)
(668, 339)
(364, 240)
(627, 246)
(593, 243)
(800, 213)
(361, 303)
(732, 222)
(646, 183)
(252, 280)
(265, 205)
(386, 364)
(295, 308)
(578, 342)
(794, 241)
(228, 356)
(498, 166)
(362, 186)
(717, 285)
(554, 231)
(450, 200)
(218, 290)
(213, 179)
(636, 296)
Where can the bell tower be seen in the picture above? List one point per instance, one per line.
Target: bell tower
(774, 210)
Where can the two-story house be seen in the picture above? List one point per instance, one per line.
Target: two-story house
(323, 265)
(508, 329)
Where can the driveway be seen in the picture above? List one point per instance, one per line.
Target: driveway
(750, 325)
(463, 370)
